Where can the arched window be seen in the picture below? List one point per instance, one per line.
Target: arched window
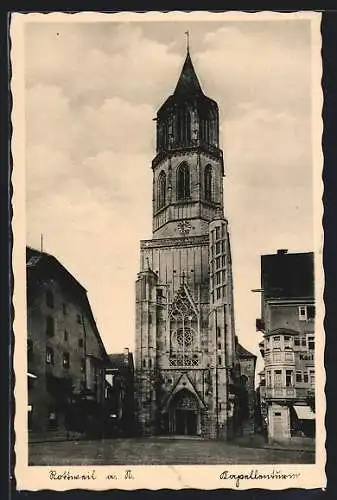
(214, 128)
(208, 183)
(183, 182)
(161, 190)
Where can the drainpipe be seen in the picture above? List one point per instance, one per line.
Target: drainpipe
(216, 375)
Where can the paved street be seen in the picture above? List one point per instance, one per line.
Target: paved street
(157, 451)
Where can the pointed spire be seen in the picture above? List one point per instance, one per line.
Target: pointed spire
(188, 82)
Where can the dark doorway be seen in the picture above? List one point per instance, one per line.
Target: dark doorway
(186, 422)
(184, 414)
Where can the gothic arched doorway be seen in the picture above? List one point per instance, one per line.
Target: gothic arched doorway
(184, 414)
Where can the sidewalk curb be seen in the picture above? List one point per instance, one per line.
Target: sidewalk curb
(277, 448)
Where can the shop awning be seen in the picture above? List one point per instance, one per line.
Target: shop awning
(304, 412)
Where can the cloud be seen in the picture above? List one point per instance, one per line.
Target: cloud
(255, 62)
(98, 61)
(53, 121)
(267, 149)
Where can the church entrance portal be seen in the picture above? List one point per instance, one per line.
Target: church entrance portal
(186, 422)
(184, 415)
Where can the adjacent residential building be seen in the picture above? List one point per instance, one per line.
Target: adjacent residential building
(261, 411)
(288, 347)
(66, 356)
(185, 334)
(247, 362)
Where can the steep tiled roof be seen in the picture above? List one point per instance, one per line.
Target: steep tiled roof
(243, 353)
(42, 265)
(37, 260)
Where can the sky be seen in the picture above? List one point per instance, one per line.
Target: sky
(91, 93)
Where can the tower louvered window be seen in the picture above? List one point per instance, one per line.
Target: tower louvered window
(183, 127)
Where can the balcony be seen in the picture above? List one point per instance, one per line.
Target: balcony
(280, 393)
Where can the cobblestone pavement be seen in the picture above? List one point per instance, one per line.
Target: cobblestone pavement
(157, 451)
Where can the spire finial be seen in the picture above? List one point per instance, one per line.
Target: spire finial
(187, 33)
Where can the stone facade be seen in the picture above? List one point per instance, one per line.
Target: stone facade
(185, 333)
(65, 352)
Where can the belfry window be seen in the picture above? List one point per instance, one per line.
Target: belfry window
(183, 182)
(161, 190)
(208, 183)
(183, 127)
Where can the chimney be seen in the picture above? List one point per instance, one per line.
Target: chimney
(282, 251)
(126, 355)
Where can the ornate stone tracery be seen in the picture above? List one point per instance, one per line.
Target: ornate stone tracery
(185, 401)
(184, 337)
(183, 330)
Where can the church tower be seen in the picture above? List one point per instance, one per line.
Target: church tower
(185, 339)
